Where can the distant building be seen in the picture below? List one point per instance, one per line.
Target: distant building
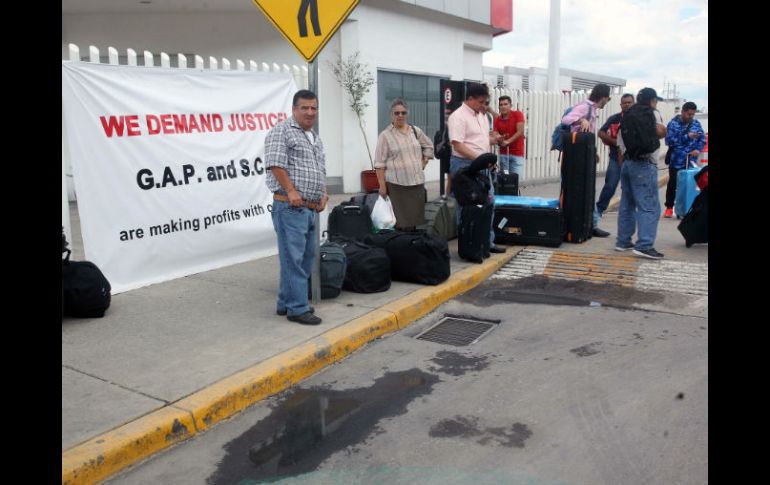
(536, 79)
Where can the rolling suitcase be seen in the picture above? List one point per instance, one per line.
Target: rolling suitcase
(578, 186)
(349, 220)
(507, 183)
(527, 220)
(415, 257)
(440, 218)
(694, 227)
(473, 233)
(365, 199)
(686, 189)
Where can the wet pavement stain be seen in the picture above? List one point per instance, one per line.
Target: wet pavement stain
(554, 291)
(468, 427)
(456, 364)
(586, 350)
(309, 425)
(513, 296)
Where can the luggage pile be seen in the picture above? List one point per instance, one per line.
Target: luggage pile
(375, 258)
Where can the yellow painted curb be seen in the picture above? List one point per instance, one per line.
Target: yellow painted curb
(110, 452)
(233, 394)
(615, 202)
(100, 457)
(421, 302)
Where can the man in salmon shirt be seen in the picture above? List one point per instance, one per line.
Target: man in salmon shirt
(470, 136)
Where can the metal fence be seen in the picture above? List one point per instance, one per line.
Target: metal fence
(542, 112)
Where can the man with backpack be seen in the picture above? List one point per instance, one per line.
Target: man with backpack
(638, 140)
(685, 141)
(582, 118)
(608, 134)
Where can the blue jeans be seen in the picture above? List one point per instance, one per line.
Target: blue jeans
(611, 180)
(511, 163)
(457, 163)
(639, 204)
(295, 228)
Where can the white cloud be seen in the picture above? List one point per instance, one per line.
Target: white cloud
(642, 41)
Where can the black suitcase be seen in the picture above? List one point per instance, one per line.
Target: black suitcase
(365, 199)
(507, 183)
(368, 267)
(539, 226)
(578, 185)
(348, 220)
(333, 268)
(695, 224)
(415, 257)
(473, 232)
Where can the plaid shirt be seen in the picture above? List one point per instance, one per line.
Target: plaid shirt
(287, 147)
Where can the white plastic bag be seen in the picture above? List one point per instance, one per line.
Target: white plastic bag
(382, 214)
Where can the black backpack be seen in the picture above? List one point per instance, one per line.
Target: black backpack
(442, 144)
(638, 129)
(85, 290)
(333, 268)
(471, 185)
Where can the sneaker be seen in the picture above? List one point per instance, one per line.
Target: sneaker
(497, 250)
(306, 318)
(624, 247)
(600, 233)
(648, 253)
(283, 312)
(668, 213)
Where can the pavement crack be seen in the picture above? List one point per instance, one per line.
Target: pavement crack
(116, 384)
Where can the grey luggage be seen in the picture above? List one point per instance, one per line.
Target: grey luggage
(333, 269)
(440, 218)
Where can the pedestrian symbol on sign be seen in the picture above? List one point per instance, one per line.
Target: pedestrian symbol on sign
(293, 19)
(302, 17)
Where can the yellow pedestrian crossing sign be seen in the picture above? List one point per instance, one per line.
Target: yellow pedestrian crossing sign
(307, 24)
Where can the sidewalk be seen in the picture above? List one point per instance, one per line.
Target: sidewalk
(170, 360)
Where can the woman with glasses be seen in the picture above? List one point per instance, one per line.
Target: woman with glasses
(402, 153)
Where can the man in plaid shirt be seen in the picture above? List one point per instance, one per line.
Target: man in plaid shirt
(296, 175)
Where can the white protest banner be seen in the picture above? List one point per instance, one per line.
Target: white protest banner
(168, 166)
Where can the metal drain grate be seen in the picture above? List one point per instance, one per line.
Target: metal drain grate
(456, 331)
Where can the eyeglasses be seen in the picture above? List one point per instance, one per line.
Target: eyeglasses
(400, 113)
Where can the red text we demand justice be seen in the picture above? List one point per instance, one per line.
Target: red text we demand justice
(172, 124)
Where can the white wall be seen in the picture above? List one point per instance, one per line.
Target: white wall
(390, 35)
(245, 35)
(423, 44)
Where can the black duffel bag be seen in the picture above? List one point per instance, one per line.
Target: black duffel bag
(85, 289)
(415, 257)
(368, 268)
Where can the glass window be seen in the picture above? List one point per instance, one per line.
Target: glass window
(421, 93)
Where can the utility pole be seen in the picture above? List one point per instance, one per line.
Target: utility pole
(315, 277)
(553, 46)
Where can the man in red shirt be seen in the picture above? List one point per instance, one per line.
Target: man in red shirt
(510, 125)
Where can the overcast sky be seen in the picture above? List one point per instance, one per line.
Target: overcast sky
(641, 41)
